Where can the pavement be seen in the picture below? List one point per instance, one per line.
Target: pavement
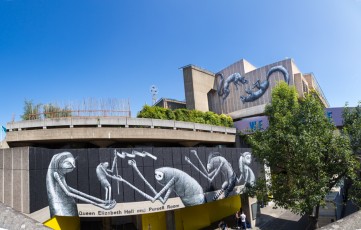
(270, 218)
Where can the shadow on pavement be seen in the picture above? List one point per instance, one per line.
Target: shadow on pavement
(273, 223)
(284, 221)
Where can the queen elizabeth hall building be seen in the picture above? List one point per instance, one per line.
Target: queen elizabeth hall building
(132, 173)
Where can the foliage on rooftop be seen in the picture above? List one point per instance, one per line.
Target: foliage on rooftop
(187, 115)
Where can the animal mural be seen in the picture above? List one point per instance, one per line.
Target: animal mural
(224, 84)
(245, 170)
(62, 197)
(185, 186)
(223, 89)
(217, 164)
(263, 86)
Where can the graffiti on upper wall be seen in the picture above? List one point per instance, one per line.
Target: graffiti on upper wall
(184, 186)
(224, 84)
(237, 79)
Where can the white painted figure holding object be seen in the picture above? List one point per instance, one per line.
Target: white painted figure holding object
(246, 172)
(62, 197)
(216, 164)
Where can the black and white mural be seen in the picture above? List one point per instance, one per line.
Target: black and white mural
(242, 86)
(103, 182)
(254, 92)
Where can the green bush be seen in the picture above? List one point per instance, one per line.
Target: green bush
(181, 114)
(196, 116)
(226, 120)
(212, 118)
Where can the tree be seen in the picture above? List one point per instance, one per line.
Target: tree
(352, 126)
(352, 129)
(306, 155)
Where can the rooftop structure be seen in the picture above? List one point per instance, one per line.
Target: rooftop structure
(169, 103)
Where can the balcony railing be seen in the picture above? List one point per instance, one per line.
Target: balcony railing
(116, 122)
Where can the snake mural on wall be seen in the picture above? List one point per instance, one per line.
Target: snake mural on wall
(236, 78)
(171, 179)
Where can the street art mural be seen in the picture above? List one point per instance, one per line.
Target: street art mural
(217, 164)
(224, 84)
(134, 181)
(223, 89)
(263, 86)
(61, 196)
(245, 170)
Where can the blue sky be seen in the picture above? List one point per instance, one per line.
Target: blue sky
(60, 51)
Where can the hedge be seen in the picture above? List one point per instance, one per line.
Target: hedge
(196, 116)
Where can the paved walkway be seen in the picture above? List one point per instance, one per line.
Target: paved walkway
(271, 218)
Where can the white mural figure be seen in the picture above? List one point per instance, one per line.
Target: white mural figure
(245, 170)
(185, 186)
(102, 170)
(216, 163)
(102, 174)
(62, 197)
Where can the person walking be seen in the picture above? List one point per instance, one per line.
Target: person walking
(243, 221)
(238, 219)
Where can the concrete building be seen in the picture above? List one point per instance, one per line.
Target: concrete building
(230, 90)
(170, 104)
(120, 177)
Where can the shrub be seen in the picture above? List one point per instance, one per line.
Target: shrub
(196, 116)
(212, 118)
(181, 114)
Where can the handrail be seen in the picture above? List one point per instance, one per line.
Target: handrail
(126, 122)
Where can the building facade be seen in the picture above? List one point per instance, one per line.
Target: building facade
(117, 172)
(242, 90)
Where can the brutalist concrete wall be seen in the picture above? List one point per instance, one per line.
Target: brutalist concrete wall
(11, 219)
(14, 178)
(197, 83)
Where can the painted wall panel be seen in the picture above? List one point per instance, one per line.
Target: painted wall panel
(237, 90)
(135, 181)
(82, 171)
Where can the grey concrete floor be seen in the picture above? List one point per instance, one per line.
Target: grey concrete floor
(271, 218)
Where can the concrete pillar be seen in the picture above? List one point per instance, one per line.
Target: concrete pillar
(247, 208)
(197, 83)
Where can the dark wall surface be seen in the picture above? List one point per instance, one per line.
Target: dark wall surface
(84, 176)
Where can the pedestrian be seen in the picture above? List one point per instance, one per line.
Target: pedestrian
(238, 219)
(222, 225)
(243, 221)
